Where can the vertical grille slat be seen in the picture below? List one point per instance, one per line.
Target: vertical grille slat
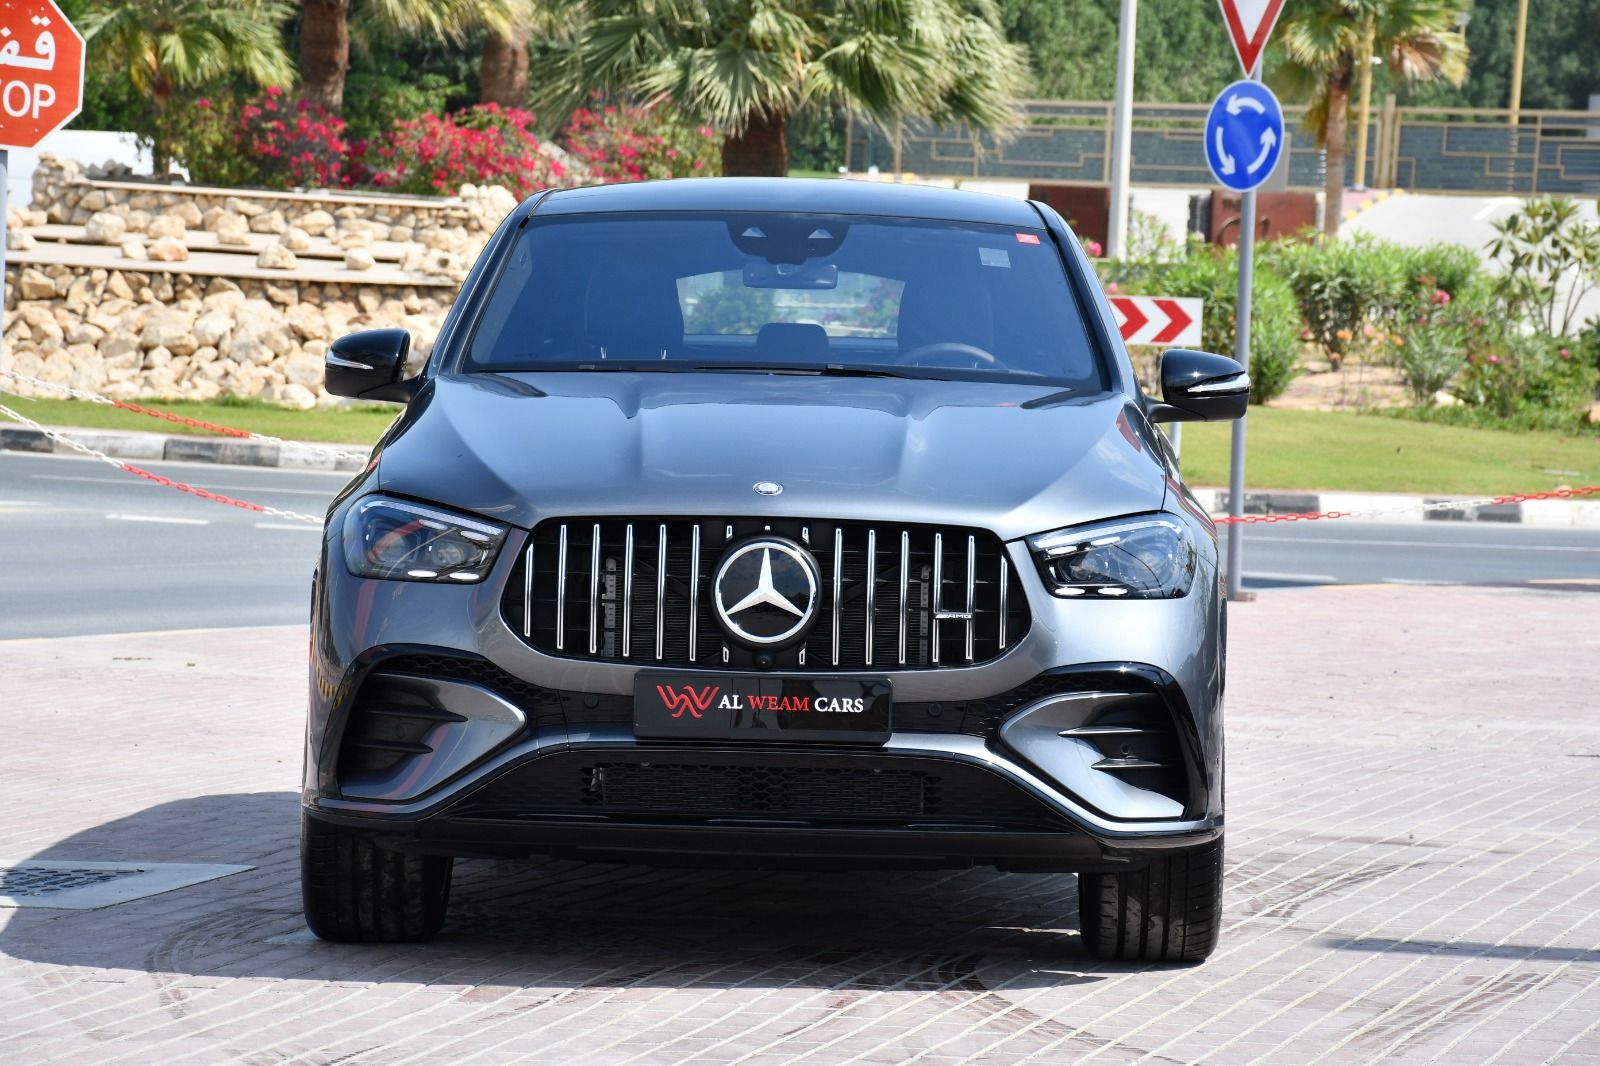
(627, 593)
(938, 592)
(1005, 586)
(872, 594)
(594, 591)
(561, 592)
(661, 591)
(905, 587)
(948, 597)
(694, 594)
(838, 587)
(972, 590)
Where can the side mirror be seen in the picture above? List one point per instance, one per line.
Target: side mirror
(370, 365)
(1200, 387)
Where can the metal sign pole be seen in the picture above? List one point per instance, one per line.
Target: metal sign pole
(1122, 133)
(1241, 353)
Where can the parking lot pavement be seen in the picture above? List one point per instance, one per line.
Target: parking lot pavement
(1414, 854)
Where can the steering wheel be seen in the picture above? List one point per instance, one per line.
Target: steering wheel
(924, 353)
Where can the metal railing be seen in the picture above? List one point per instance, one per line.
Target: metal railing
(1445, 150)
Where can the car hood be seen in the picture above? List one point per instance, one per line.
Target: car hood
(525, 447)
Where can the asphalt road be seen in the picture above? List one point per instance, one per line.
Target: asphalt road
(87, 549)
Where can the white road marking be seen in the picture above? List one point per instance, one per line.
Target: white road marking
(20, 503)
(297, 527)
(165, 519)
(1436, 545)
(1310, 579)
(140, 481)
(1494, 205)
(1415, 581)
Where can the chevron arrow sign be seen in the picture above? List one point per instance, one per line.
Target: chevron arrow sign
(1159, 320)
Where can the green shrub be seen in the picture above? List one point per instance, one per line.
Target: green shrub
(1212, 275)
(1343, 286)
(1534, 379)
(1451, 267)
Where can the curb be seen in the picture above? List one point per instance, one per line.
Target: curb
(122, 444)
(1397, 508)
(1400, 508)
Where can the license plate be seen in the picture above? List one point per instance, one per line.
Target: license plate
(761, 707)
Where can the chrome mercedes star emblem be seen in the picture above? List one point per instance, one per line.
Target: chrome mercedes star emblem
(765, 591)
(767, 488)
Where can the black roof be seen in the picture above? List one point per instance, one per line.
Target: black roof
(821, 195)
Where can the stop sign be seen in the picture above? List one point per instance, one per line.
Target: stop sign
(41, 71)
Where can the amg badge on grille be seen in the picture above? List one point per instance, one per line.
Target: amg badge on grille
(765, 591)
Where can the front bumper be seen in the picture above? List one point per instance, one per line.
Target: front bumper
(1003, 723)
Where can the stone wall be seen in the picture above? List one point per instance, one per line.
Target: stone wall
(141, 290)
(127, 334)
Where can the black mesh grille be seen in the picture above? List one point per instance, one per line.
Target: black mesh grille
(698, 786)
(581, 601)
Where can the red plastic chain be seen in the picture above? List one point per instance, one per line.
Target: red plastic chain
(1312, 516)
(194, 423)
(181, 486)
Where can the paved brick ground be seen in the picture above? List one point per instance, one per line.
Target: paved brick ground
(1414, 853)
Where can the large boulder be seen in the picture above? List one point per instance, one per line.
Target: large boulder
(269, 222)
(231, 228)
(316, 222)
(105, 227)
(35, 284)
(276, 256)
(168, 250)
(166, 225)
(171, 328)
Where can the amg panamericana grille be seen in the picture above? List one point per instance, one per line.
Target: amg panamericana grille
(892, 597)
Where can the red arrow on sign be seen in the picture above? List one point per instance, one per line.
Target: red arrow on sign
(1133, 316)
(1158, 319)
(1249, 25)
(1178, 321)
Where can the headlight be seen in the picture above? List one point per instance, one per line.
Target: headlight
(408, 542)
(1146, 558)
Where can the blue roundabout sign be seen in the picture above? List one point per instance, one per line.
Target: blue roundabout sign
(1244, 135)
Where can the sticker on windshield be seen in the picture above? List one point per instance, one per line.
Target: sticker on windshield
(994, 257)
(1027, 238)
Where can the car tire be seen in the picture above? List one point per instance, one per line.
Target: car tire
(356, 892)
(1168, 911)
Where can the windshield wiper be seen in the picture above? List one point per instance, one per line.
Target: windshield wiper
(831, 370)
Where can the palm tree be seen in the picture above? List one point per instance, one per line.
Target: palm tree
(1322, 41)
(326, 27)
(503, 70)
(165, 46)
(745, 66)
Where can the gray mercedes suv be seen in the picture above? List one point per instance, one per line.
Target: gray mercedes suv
(755, 522)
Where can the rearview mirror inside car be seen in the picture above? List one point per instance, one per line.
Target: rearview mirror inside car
(1200, 387)
(371, 365)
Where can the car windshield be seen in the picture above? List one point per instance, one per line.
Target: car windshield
(796, 292)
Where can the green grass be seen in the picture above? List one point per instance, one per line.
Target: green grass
(1287, 449)
(1375, 453)
(359, 424)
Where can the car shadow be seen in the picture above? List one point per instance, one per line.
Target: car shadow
(563, 924)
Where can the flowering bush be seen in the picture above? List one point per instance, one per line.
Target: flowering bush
(1527, 379)
(292, 142)
(486, 144)
(632, 143)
